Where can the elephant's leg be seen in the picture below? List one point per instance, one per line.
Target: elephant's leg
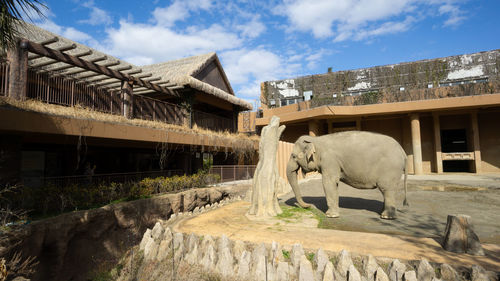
(389, 193)
(330, 186)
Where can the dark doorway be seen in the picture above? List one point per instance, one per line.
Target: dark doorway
(454, 141)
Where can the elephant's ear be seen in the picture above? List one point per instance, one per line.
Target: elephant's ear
(310, 151)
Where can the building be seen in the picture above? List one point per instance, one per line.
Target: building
(65, 107)
(444, 112)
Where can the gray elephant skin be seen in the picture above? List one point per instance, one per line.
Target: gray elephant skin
(363, 160)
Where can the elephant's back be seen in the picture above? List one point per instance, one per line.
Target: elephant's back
(364, 156)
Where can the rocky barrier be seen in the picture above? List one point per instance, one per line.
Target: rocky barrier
(167, 255)
(73, 245)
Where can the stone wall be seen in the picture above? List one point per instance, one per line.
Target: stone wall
(164, 254)
(73, 245)
(461, 75)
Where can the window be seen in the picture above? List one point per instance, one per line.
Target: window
(307, 95)
(283, 102)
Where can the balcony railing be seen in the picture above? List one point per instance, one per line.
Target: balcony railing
(69, 91)
(212, 122)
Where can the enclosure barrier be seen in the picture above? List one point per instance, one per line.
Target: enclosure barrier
(233, 172)
(99, 179)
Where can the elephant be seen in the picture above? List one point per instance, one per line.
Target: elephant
(361, 159)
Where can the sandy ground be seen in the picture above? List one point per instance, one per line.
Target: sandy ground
(415, 234)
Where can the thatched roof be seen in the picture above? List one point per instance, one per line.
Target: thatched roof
(174, 75)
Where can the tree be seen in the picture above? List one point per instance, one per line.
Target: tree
(11, 13)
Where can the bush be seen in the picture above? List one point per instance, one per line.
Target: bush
(51, 199)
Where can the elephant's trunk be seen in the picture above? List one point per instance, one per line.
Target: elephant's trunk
(291, 173)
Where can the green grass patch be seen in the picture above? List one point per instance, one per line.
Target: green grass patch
(291, 213)
(286, 255)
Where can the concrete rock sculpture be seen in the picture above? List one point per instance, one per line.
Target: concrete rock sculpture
(266, 178)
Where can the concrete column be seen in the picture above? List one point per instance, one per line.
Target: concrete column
(416, 144)
(437, 143)
(127, 94)
(475, 137)
(330, 125)
(313, 128)
(18, 74)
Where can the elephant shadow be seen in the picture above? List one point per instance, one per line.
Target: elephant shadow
(346, 202)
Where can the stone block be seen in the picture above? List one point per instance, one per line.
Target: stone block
(396, 270)
(459, 236)
(425, 272)
(305, 270)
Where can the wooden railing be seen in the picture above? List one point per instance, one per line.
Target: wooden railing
(156, 110)
(212, 122)
(4, 78)
(69, 91)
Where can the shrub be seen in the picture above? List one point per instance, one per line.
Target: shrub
(53, 199)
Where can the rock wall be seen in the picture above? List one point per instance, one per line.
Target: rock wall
(72, 245)
(163, 254)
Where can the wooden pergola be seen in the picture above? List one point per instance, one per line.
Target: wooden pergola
(112, 75)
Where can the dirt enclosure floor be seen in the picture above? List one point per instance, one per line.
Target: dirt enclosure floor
(413, 235)
(431, 201)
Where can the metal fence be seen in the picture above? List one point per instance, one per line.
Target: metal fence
(233, 172)
(99, 179)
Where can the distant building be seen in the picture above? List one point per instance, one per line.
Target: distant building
(105, 100)
(444, 111)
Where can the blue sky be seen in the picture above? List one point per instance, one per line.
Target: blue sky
(259, 41)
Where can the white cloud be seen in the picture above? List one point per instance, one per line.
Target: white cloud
(253, 28)
(161, 43)
(455, 14)
(76, 35)
(97, 17)
(248, 67)
(361, 19)
(68, 32)
(179, 10)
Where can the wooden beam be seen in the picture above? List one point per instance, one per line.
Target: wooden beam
(57, 55)
(18, 73)
(61, 49)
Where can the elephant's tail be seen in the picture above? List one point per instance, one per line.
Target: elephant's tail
(405, 202)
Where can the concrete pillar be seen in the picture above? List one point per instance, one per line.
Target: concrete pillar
(18, 74)
(314, 128)
(437, 143)
(475, 140)
(416, 144)
(330, 125)
(127, 98)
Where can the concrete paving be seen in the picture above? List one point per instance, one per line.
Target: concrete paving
(432, 198)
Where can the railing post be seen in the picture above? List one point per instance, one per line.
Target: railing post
(127, 99)
(17, 55)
